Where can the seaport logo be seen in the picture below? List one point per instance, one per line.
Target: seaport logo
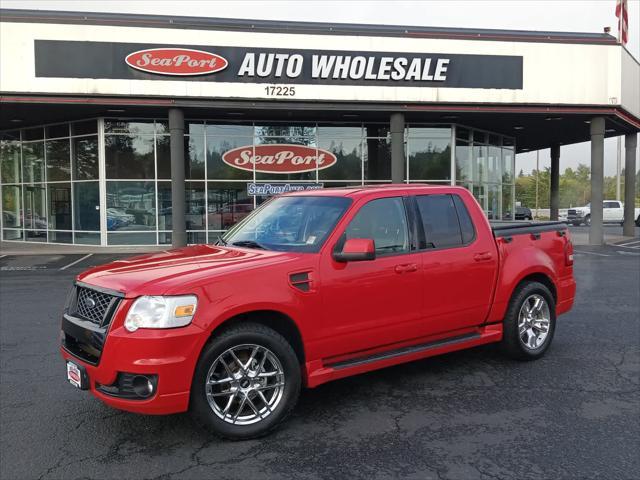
(176, 61)
(279, 158)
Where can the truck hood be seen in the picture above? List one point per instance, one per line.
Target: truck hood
(172, 271)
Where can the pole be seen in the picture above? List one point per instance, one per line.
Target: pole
(537, 177)
(618, 167)
(176, 141)
(630, 146)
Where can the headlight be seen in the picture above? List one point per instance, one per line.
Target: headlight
(161, 312)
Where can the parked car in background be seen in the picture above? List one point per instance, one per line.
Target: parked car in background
(117, 218)
(612, 212)
(522, 213)
(311, 287)
(228, 215)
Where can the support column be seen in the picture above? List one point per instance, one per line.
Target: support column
(630, 146)
(397, 147)
(596, 232)
(176, 129)
(555, 181)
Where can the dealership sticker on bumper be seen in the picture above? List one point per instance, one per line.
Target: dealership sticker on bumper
(75, 375)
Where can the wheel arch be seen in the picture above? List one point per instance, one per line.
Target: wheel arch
(274, 319)
(539, 277)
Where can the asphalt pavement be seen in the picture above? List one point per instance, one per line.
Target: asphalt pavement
(575, 414)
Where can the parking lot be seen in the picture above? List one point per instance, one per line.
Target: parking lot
(575, 414)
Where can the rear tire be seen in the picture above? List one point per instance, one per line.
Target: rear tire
(530, 322)
(246, 382)
(638, 221)
(587, 220)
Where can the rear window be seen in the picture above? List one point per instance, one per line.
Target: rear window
(446, 220)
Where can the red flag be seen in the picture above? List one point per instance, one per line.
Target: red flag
(622, 13)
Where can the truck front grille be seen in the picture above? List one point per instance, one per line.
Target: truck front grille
(92, 305)
(86, 321)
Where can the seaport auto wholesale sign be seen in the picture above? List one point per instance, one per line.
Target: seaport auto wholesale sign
(132, 61)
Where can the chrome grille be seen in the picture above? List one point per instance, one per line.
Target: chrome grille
(93, 305)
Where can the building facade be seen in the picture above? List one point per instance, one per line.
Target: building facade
(108, 122)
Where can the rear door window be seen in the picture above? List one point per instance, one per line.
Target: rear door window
(446, 221)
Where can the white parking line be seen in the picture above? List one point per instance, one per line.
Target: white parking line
(635, 242)
(76, 261)
(592, 253)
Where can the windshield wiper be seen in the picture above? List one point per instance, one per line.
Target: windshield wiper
(220, 241)
(248, 244)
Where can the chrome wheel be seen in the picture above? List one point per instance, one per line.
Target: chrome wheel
(534, 321)
(245, 384)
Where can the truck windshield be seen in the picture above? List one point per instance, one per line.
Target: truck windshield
(289, 224)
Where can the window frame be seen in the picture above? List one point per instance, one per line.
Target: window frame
(422, 236)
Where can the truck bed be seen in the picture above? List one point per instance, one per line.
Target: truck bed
(510, 228)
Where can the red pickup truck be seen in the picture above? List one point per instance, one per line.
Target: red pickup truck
(311, 287)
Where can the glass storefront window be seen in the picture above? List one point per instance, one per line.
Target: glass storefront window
(129, 157)
(229, 130)
(163, 156)
(227, 204)
(494, 164)
(216, 148)
(85, 158)
(348, 152)
(84, 128)
(11, 206)
(132, 128)
(377, 159)
(57, 131)
(327, 132)
(195, 206)
(507, 165)
(194, 157)
(86, 197)
(33, 162)
(429, 158)
(131, 206)
(60, 237)
(289, 132)
(59, 195)
(35, 208)
(58, 160)
(464, 160)
(10, 161)
(51, 190)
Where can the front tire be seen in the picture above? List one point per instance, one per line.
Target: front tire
(246, 383)
(638, 221)
(587, 220)
(530, 322)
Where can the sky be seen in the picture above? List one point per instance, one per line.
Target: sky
(548, 15)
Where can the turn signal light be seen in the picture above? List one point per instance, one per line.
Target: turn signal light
(185, 310)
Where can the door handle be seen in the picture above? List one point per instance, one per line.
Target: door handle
(407, 267)
(482, 257)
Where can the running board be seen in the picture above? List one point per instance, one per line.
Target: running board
(403, 351)
(318, 372)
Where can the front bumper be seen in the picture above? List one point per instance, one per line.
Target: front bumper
(170, 354)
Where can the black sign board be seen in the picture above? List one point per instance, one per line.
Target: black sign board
(71, 59)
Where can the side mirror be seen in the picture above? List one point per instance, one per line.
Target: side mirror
(356, 250)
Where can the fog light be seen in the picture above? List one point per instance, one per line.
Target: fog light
(142, 386)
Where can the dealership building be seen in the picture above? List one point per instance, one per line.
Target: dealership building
(150, 130)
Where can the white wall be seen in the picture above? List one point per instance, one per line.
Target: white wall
(565, 74)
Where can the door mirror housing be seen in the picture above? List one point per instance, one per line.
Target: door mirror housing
(356, 250)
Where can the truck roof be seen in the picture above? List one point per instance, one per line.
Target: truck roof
(360, 190)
